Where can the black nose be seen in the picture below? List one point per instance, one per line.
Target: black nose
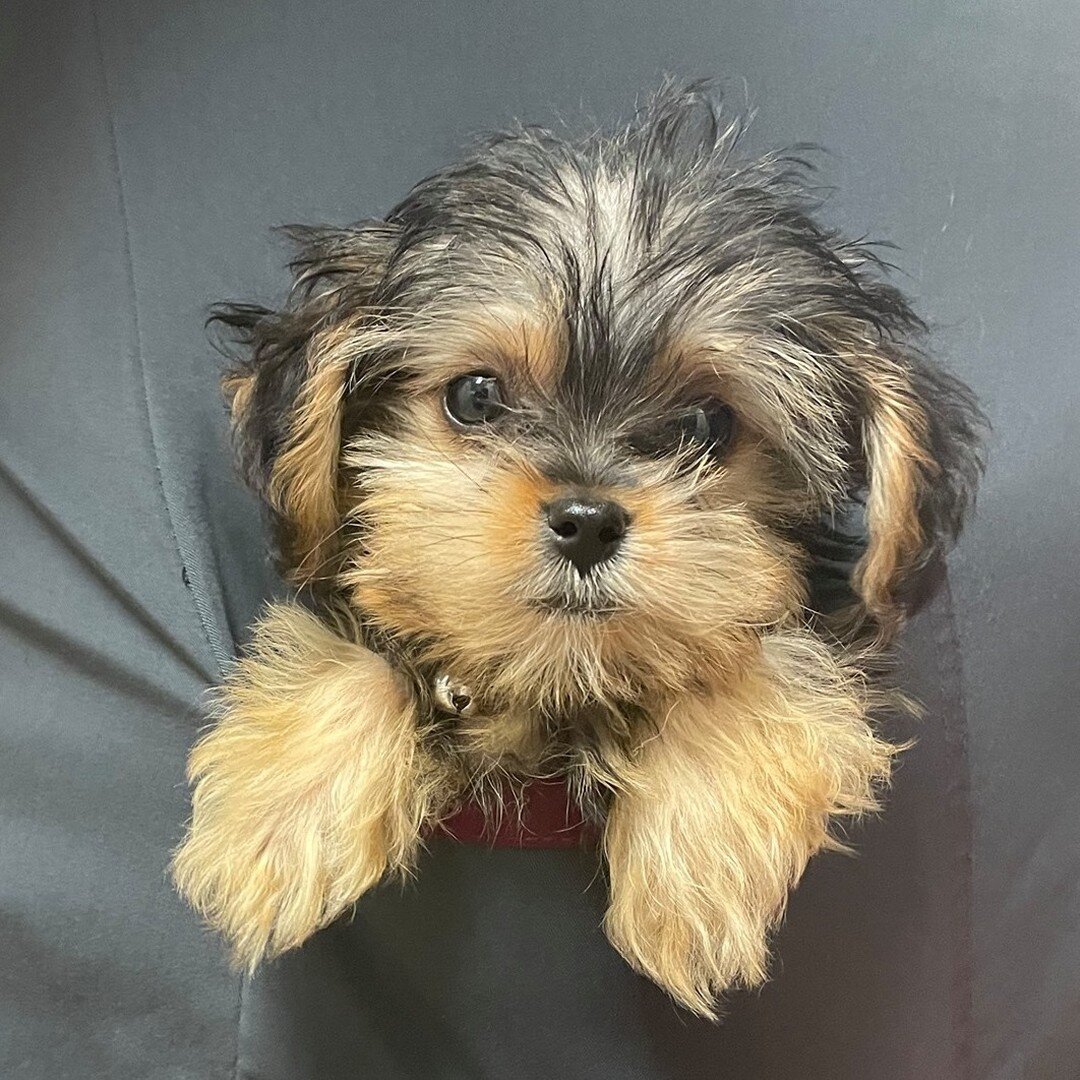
(586, 531)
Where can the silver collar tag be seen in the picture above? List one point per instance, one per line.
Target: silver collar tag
(453, 697)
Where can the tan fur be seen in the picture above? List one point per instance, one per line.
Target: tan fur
(304, 480)
(717, 815)
(237, 390)
(899, 464)
(312, 785)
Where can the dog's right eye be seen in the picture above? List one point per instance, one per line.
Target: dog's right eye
(474, 399)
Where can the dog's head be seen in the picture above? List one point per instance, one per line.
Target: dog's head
(567, 421)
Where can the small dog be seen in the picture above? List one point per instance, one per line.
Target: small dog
(553, 452)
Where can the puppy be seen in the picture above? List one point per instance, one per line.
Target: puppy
(553, 452)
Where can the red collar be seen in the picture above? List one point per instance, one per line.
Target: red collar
(548, 818)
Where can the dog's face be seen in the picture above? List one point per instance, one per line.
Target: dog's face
(559, 423)
(564, 515)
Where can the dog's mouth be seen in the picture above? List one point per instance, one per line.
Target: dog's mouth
(570, 605)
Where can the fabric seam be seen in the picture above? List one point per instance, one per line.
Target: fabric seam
(216, 649)
(214, 644)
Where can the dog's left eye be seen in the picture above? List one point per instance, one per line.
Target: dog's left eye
(474, 399)
(709, 427)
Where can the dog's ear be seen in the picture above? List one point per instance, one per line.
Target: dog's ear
(919, 432)
(292, 370)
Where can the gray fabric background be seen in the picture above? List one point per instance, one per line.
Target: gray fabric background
(145, 149)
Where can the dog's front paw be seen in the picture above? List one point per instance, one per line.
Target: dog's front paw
(263, 881)
(721, 810)
(686, 916)
(311, 785)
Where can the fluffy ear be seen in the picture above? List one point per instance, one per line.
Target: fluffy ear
(293, 370)
(920, 434)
